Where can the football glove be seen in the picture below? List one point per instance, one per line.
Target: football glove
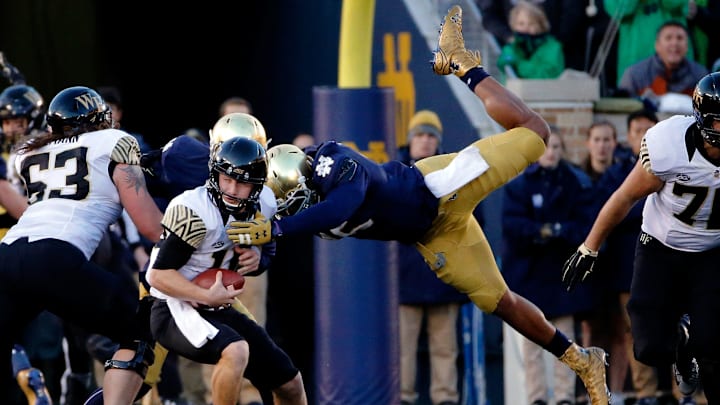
(255, 232)
(578, 267)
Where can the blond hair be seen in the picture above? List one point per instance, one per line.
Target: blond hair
(533, 10)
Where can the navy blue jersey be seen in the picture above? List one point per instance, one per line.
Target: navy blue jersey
(364, 199)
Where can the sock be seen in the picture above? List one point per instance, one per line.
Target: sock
(559, 344)
(475, 76)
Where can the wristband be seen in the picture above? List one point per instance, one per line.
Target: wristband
(475, 76)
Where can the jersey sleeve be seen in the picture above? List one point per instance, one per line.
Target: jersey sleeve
(666, 145)
(185, 223)
(645, 156)
(126, 150)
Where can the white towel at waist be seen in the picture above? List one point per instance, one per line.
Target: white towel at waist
(195, 328)
(466, 167)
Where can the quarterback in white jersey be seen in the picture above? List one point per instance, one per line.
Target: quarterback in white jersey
(678, 250)
(78, 179)
(196, 322)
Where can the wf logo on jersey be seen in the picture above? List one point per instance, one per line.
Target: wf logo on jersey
(324, 166)
(645, 238)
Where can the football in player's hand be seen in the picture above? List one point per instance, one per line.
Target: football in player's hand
(207, 278)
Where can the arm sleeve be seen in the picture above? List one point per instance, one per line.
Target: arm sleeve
(327, 214)
(343, 198)
(173, 252)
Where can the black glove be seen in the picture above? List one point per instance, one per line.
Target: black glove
(578, 267)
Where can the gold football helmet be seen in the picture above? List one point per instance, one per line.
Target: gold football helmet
(289, 174)
(238, 124)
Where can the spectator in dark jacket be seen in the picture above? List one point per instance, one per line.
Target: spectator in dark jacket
(545, 214)
(423, 295)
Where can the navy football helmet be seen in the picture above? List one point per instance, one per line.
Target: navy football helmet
(244, 160)
(23, 101)
(706, 107)
(76, 110)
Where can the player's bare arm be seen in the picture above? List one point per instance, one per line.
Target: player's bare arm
(507, 109)
(13, 201)
(134, 196)
(640, 183)
(131, 177)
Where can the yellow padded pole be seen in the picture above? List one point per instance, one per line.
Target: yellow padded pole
(356, 36)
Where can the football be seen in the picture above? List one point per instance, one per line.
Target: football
(207, 278)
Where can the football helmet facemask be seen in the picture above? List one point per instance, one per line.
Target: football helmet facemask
(244, 160)
(76, 110)
(23, 101)
(289, 174)
(706, 107)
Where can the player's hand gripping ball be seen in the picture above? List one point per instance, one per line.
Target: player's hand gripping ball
(207, 278)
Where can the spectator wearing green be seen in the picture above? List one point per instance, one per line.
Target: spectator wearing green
(534, 53)
(639, 21)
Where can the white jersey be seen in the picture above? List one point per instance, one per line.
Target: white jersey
(194, 217)
(681, 215)
(72, 196)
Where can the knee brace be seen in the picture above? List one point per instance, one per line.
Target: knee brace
(143, 358)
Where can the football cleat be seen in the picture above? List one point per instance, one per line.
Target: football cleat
(589, 364)
(687, 373)
(451, 55)
(30, 379)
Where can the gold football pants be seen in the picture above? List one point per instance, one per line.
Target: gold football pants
(456, 247)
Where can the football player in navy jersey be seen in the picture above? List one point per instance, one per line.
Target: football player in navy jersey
(678, 250)
(78, 179)
(335, 192)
